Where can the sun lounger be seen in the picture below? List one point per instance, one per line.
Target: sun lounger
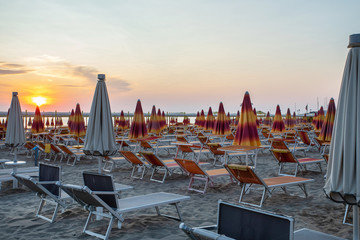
(107, 198)
(285, 156)
(136, 163)
(46, 189)
(196, 172)
(247, 177)
(5, 174)
(68, 153)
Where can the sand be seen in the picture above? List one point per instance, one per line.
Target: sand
(18, 206)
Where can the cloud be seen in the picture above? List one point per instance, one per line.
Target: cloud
(118, 84)
(13, 68)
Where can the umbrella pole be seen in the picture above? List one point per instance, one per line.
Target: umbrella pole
(356, 222)
(99, 163)
(14, 150)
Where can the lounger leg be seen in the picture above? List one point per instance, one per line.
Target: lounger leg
(347, 210)
(55, 212)
(179, 218)
(41, 205)
(109, 228)
(262, 197)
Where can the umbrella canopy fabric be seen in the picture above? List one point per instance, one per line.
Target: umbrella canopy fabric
(121, 122)
(221, 126)
(160, 120)
(197, 119)
(78, 124)
(327, 127)
(343, 179)
(52, 122)
(320, 119)
(304, 119)
(237, 118)
(163, 118)
(100, 138)
(210, 120)
(47, 122)
(37, 124)
(289, 123)
(278, 124)
(70, 119)
(294, 119)
(186, 120)
(267, 121)
(154, 124)
(15, 134)
(246, 132)
(257, 120)
(138, 126)
(29, 123)
(202, 119)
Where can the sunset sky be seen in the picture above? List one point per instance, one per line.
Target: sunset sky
(178, 55)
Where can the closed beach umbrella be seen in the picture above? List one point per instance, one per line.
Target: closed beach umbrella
(314, 121)
(70, 119)
(257, 120)
(163, 120)
(237, 118)
(186, 120)
(320, 119)
(6, 121)
(288, 119)
(121, 122)
(47, 122)
(221, 126)
(37, 124)
(343, 179)
(327, 127)
(160, 120)
(278, 124)
(78, 124)
(60, 122)
(197, 119)
(294, 119)
(246, 132)
(138, 125)
(210, 120)
(100, 138)
(15, 134)
(267, 121)
(154, 124)
(52, 122)
(202, 119)
(29, 122)
(304, 119)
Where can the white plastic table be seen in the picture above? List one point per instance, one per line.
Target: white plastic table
(15, 165)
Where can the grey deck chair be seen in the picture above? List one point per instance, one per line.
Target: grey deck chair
(46, 189)
(104, 196)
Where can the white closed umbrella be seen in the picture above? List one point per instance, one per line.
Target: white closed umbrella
(100, 138)
(343, 171)
(15, 134)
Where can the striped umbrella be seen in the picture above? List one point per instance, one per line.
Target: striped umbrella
(210, 120)
(320, 119)
(121, 122)
(163, 119)
(37, 124)
(257, 120)
(202, 119)
(138, 126)
(288, 119)
(267, 121)
(78, 124)
(278, 124)
(229, 118)
(304, 119)
(314, 121)
(160, 120)
(52, 122)
(237, 118)
(246, 132)
(221, 126)
(154, 124)
(197, 119)
(29, 123)
(327, 127)
(186, 120)
(70, 119)
(60, 122)
(294, 119)
(47, 122)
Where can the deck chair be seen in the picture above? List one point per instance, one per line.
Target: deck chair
(46, 189)
(155, 147)
(159, 165)
(107, 198)
(284, 156)
(197, 173)
(246, 175)
(306, 140)
(220, 155)
(282, 144)
(29, 149)
(193, 150)
(136, 162)
(68, 153)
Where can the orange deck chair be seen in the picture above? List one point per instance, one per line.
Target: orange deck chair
(68, 153)
(247, 177)
(196, 172)
(136, 163)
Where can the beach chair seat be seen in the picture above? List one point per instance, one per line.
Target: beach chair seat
(197, 173)
(284, 156)
(29, 146)
(159, 165)
(155, 147)
(111, 162)
(247, 177)
(136, 162)
(306, 140)
(282, 144)
(68, 153)
(46, 189)
(105, 197)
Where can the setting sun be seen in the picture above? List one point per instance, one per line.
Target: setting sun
(39, 100)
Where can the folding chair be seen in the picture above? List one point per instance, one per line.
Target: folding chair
(306, 140)
(285, 156)
(45, 188)
(245, 175)
(283, 144)
(70, 154)
(105, 197)
(136, 163)
(196, 172)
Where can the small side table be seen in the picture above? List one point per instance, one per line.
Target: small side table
(15, 165)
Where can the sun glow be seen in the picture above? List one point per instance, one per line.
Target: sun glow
(39, 100)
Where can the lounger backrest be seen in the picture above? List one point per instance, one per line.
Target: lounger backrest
(283, 155)
(181, 139)
(243, 174)
(50, 173)
(304, 137)
(101, 182)
(131, 157)
(29, 183)
(29, 145)
(189, 166)
(203, 139)
(55, 148)
(151, 158)
(278, 144)
(185, 148)
(214, 148)
(64, 149)
(80, 195)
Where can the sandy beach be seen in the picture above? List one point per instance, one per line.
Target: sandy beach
(18, 206)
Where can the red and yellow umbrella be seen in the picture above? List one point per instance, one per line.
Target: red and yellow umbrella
(154, 124)
(304, 119)
(210, 120)
(160, 120)
(202, 119)
(237, 118)
(289, 122)
(320, 119)
(60, 122)
(29, 123)
(121, 122)
(257, 120)
(197, 119)
(294, 119)
(138, 125)
(71, 117)
(186, 120)
(267, 121)
(163, 118)
(47, 122)
(37, 124)
(278, 124)
(327, 127)
(52, 122)
(78, 124)
(314, 121)
(246, 132)
(221, 126)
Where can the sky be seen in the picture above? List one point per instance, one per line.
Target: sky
(181, 56)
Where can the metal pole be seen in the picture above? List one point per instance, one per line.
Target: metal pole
(356, 222)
